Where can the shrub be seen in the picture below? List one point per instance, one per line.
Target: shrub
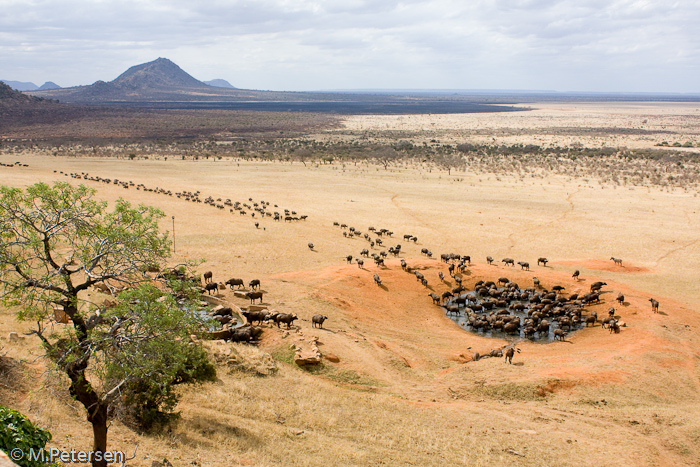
(17, 432)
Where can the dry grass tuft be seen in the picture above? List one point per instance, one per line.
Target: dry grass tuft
(553, 386)
(241, 358)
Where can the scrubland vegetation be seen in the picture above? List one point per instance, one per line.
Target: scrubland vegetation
(665, 168)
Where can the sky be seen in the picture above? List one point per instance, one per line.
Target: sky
(303, 45)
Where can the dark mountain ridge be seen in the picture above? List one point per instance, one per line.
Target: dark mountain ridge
(158, 81)
(10, 97)
(161, 84)
(158, 74)
(19, 108)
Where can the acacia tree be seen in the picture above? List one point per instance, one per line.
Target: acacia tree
(56, 242)
(385, 156)
(449, 161)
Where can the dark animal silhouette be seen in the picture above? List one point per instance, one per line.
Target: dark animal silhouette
(654, 305)
(225, 311)
(236, 282)
(207, 277)
(254, 296)
(286, 318)
(509, 354)
(544, 261)
(255, 283)
(614, 326)
(317, 320)
(253, 316)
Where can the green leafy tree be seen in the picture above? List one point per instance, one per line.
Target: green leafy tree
(153, 366)
(17, 432)
(55, 243)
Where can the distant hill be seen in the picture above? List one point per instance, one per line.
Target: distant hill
(158, 81)
(16, 107)
(158, 74)
(12, 97)
(161, 84)
(29, 86)
(20, 85)
(48, 86)
(219, 83)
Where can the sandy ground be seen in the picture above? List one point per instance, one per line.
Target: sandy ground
(627, 124)
(399, 345)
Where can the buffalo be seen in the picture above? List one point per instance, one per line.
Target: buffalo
(509, 354)
(254, 296)
(253, 316)
(654, 305)
(236, 282)
(211, 286)
(286, 318)
(317, 320)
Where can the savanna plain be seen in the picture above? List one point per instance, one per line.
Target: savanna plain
(398, 383)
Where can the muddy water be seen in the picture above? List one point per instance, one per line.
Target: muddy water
(462, 319)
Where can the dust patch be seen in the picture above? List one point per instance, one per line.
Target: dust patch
(600, 265)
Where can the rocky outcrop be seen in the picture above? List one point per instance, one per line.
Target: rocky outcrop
(306, 351)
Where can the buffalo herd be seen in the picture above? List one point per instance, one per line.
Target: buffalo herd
(499, 307)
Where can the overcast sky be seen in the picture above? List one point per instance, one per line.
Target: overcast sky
(299, 45)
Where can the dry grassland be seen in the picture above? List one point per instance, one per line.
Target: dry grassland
(405, 390)
(610, 124)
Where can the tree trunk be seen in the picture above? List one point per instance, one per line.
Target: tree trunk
(83, 392)
(99, 432)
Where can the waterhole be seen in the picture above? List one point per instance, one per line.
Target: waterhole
(486, 309)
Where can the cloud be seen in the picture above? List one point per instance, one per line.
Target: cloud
(589, 45)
